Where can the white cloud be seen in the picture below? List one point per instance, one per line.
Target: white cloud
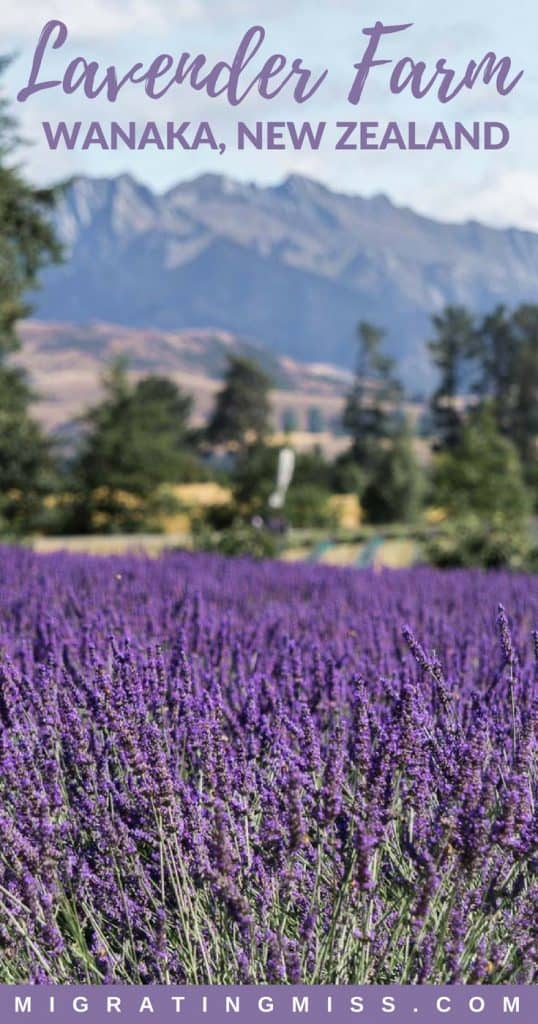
(107, 19)
(100, 19)
(506, 200)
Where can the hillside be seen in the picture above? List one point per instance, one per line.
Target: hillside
(65, 361)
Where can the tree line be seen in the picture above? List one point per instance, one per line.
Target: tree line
(477, 459)
(482, 430)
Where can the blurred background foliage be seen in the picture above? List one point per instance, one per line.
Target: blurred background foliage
(459, 488)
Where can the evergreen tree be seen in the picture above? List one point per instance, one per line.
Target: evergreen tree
(507, 355)
(27, 245)
(375, 397)
(480, 484)
(483, 476)
(523, 421)
(242, 409)
(27, 468)
(494, 352)
(397, 485)
(254, 477)
(136, 440)
(451, 349)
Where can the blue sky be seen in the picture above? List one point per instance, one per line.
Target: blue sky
(497, 187)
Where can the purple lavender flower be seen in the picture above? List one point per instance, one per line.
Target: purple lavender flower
(223, 771)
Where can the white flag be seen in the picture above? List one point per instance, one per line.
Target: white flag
(284, 475)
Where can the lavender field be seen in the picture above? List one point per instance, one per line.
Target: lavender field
(220, 771)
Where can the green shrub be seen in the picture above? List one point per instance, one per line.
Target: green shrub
(396, 488)
(307, 506)
(467, 542)
(241, 538)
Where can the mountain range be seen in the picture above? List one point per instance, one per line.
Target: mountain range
(291, 267)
